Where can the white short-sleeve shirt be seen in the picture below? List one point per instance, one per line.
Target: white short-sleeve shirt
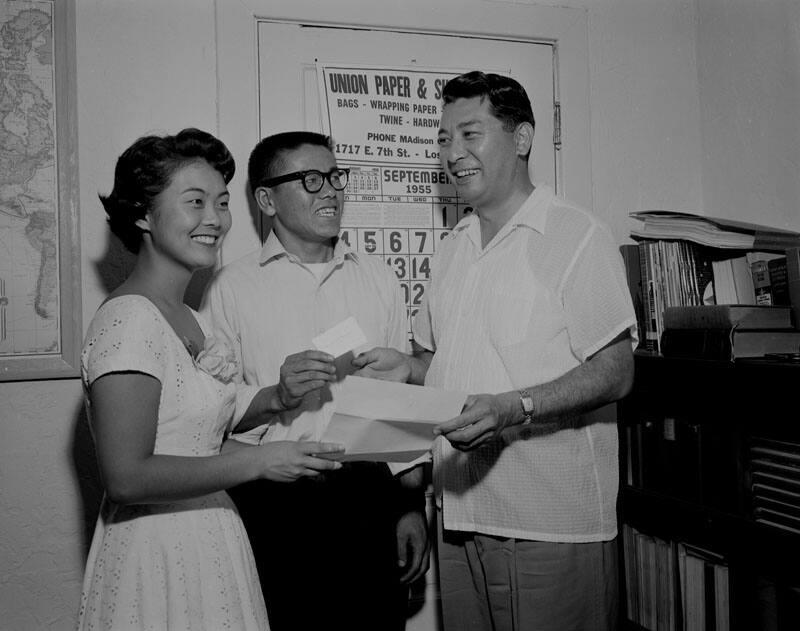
(269, 305)
(546, 293)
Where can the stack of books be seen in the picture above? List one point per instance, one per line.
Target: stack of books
(754, 278)
(662, 274)
(729, 332)
(671, 585)
(704, 589)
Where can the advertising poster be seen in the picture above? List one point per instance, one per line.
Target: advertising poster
(399, 204)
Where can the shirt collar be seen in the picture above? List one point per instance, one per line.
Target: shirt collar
(532, 213)
(273, 249)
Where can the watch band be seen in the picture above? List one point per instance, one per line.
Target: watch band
(526, 400)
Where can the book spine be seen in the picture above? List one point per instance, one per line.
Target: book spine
(631, 574)
(703, 271)
(688, 278)
(761, 282)
(743, 281)
(668, 266)
(658, 291)
(793, 281)
(633, 269)
(648, 297)
(779, 281)
(697, 343)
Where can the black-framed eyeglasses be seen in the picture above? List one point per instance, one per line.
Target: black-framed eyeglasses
(313, 180)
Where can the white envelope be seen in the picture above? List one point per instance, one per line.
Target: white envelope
(340, 338)
(388, 421)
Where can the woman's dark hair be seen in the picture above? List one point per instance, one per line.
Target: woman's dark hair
(508, 99)
(146, 168)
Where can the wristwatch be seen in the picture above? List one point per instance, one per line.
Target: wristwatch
(526, 400)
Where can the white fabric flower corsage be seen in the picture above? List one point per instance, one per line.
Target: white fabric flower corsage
(217, 359)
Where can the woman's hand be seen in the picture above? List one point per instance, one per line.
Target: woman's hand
(287, 461)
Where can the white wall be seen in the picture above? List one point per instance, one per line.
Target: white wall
(644, 108)
(657, 140)
(748, 58)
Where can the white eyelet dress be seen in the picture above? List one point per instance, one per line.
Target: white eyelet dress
(182, 565)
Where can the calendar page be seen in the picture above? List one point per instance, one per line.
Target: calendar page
(400, 220)
(398, 202)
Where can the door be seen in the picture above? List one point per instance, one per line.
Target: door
(399, 221)
(363, 86)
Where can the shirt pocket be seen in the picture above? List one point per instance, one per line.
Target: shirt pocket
(508, 316)
(529, 334)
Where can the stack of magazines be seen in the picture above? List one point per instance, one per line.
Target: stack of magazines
(712, 232)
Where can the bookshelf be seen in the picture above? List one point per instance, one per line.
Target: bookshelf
(680, 273)
(710, 461)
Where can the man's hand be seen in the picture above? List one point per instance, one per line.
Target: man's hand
(383, 363)
(413, 546)
(301, 373)
(483, 419)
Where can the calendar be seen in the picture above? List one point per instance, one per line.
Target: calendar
(400, 215)
(398, 201)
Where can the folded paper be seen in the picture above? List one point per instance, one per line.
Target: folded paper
(388, 421)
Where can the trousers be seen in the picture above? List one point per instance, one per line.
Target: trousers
(501, 584)
(325, 549)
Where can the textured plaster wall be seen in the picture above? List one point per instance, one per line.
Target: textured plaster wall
(644, 109)
(657, 140)
(748, 56)
(41, 506)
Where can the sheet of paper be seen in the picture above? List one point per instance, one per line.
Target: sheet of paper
(341, 338)
(388, 421)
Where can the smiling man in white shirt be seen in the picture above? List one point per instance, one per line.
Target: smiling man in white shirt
(339, 550)
(528, 310)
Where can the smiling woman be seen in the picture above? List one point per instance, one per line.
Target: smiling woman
(169, 205)
(146, 170)
(169, 546)
(189, 218)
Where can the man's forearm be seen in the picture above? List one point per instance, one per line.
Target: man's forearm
(262, 410)
(411, 494)
(604, 378)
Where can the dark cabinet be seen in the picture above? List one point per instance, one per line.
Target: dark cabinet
(709, 503)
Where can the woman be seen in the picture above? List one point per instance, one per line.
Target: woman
(169, 550)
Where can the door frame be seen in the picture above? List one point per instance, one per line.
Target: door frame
(237, 70)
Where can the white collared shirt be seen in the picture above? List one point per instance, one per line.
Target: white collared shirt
(546, 292)
(269, 305)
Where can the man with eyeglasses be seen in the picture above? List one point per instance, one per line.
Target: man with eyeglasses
(339, 550)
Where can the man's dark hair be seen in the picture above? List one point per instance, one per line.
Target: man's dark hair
(146, 168)
(507, 98)
(266, 158)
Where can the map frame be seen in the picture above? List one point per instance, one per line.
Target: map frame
(66, 362)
